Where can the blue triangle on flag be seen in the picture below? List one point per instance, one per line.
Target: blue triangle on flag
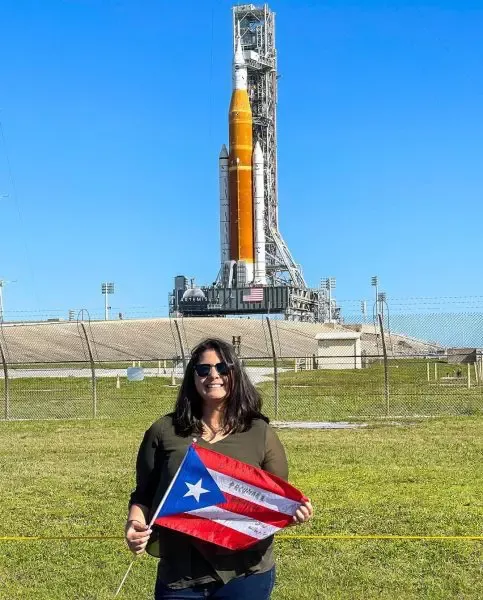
(192, 488)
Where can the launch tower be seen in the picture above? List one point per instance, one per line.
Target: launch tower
(257, 273)
(256, 27)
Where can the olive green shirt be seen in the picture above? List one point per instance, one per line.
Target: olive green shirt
(184, 560)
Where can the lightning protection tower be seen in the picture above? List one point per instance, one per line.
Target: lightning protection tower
(257, 31)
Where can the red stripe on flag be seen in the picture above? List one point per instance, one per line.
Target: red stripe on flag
(251, 475)
(208, 530)
(255, 511)
(254, 295)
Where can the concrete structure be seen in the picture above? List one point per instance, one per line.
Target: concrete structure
(339, 350)
(457, 356)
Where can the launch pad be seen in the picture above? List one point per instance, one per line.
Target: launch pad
(296, 304)
(257, 273)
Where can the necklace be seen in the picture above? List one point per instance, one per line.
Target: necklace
(214, 430)
(212, 433)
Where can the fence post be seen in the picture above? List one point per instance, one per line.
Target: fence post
(427, 371)
(386, 374)
(469, 374)
(180, 344)
(275, 369)
(6, 390)
(93, 373)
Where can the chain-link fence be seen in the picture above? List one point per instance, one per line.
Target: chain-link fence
(305, 371)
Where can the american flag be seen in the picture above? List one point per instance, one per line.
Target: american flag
(255, 295)
(224, 501)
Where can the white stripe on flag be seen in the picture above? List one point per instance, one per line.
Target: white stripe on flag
(254, 494)
(248, 526)
(254, 295)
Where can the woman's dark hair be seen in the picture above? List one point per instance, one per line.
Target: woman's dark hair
(243, 403)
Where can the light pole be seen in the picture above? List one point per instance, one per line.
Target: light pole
(1, 300)
(2, 285)
(375, 283)
(363, 310)
(107, 289)
(329, 284)
(382, 298)
(2, 281)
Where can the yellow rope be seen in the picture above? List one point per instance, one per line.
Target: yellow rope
(278, 537)
(67, 538)
(381, 537)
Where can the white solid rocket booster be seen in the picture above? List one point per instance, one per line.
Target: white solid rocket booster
(224, 207)
(259, 216)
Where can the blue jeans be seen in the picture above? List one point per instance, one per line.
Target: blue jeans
(254, 587)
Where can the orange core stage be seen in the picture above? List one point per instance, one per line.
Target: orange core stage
(240, 178)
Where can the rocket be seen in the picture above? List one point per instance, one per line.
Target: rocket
(241, 178)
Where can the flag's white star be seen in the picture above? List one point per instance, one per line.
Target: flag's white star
(195, 490)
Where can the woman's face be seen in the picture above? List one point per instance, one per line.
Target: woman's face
(214, 387)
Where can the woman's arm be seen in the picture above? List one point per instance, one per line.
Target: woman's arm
(137, 531)
(275, 459)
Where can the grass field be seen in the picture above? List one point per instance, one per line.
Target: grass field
(306, 395)
(422, 477)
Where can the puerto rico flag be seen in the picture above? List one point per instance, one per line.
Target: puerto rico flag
(227, 502)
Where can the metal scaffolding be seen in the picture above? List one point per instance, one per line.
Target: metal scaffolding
(257, 31)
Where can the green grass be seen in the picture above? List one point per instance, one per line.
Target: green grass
(359, 394)
(72, 397)
(73, 478)
(306, 395)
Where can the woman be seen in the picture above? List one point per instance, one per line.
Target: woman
(218, 405)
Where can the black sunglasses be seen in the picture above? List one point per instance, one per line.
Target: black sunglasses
(203, 370)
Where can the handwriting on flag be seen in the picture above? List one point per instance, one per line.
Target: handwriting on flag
(221, 500)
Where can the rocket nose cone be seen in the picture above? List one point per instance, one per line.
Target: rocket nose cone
(238, 58)
(257, 153)
(223, 152)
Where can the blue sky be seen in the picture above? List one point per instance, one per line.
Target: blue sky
(113, 114)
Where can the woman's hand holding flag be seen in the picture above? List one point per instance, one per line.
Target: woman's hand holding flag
(137, 535)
